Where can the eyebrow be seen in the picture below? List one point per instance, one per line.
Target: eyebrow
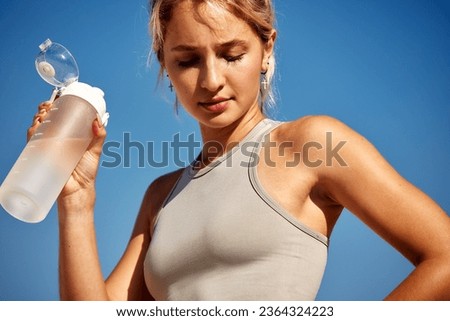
(225, 45)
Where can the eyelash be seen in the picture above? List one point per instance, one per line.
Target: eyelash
(231, 59)
(192, 62)
(188, 63)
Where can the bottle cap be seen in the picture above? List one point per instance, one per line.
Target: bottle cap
(92, 95)
(56, 65)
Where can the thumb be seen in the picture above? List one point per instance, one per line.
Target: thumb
(99, 132)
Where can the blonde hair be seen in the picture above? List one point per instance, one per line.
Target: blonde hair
(259, 15)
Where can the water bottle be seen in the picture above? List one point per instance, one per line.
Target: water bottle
(33, 184)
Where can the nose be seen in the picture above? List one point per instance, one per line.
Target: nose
(212, 75)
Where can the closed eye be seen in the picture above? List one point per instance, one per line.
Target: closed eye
(192, 62)
(189, 62)
(233, 58)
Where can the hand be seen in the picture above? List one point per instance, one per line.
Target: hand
(80, 188)
(43, 109)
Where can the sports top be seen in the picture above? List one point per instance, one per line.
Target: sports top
(220, 236)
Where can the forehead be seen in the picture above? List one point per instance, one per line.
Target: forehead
(192, 23)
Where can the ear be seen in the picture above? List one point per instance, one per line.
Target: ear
(268, 50)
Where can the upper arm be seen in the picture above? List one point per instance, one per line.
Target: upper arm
(126, 281)
(369, 187)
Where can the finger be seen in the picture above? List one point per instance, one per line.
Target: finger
(38, 118)
(43, 109)
(99, 132)
(31, 130)
(46, 105)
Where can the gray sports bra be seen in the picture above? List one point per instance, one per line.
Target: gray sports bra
(219, 236)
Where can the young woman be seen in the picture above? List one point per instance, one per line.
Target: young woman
(251, 217)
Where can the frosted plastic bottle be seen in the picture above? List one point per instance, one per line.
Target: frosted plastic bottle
(47, 161)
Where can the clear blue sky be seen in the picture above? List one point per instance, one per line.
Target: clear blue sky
(382, 67)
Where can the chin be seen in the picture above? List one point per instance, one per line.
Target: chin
(217, 122)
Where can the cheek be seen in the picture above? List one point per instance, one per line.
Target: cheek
(185, 85)
(246, 80)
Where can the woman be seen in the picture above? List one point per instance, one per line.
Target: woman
(251, 218)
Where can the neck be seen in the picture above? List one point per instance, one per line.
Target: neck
(218, 141)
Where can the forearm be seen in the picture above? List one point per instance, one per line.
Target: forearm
(430, 281)
(80, 273)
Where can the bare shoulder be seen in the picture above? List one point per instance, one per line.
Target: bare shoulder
(161, 187)
(314, 129)
(157, 192)
(333, 152)
(322, 141)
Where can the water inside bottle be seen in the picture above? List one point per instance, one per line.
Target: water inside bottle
(40, 172)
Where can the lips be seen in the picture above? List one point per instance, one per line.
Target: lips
(215, 105)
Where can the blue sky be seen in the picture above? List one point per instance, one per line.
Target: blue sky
(382, 67)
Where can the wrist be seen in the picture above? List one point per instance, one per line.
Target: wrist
(78, 205)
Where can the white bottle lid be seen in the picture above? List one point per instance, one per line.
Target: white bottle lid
(92, 95)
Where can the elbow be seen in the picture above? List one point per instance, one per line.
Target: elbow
(437, 275)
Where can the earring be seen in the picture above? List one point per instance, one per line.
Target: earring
(264, 82)
(170, 83)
